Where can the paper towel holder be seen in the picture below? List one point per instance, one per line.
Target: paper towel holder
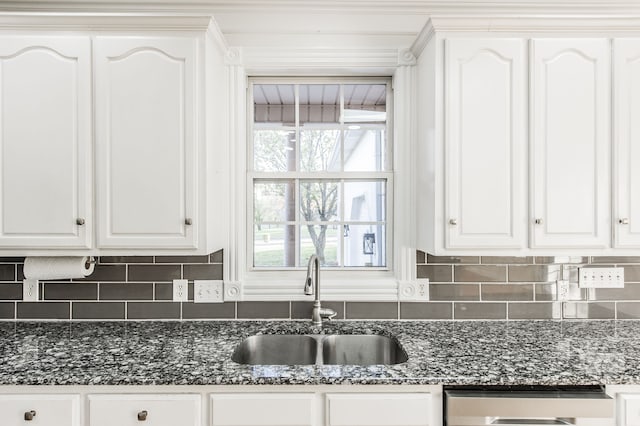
(90, 261)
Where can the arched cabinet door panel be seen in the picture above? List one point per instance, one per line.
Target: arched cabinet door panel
(45, 142)
(146, 115)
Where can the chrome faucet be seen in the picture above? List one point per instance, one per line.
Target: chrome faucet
(318, 312)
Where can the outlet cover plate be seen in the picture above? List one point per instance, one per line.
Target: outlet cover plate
(30, 290)
(414, 291)
(601, 277)
(180, 290)
(208, 291)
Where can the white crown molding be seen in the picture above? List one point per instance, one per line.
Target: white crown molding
(86, 22)
(423, 38)
(406, 57)
(233, 56)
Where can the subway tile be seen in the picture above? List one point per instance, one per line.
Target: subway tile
(615, 259)
(371, 310)
(70, 291)
(480, 273)
(436, 273)
(454, 292)
(453, 259)
(504, 260)
(19, 272)
(534, 273)
(545, 292)
(535, 310)
(126, 259)
(10, 291)
(43, 310)
(202, 272)
(216, 257)
(182, 259)
(97, 310)
(631, 291)
(209, 310)
(163, 291)
(479, 310)
(262, 310)
(154, 272)
(6, 259)
(7, 310)
(586, 310)
(8, 272)
(421, 257)
(632, 273)
(426, 310)
(153, 310)
(106, 273)
(302, 310)
(127, 291)
(507, 292)
(628, 310)
(570, 273)
(543, 260)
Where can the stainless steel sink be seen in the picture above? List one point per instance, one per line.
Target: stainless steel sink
(275, 349)
(344, 349)
(362, 350)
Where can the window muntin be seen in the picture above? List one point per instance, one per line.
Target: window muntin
(319, 173)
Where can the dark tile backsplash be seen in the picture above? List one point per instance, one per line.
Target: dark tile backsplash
(461, 288)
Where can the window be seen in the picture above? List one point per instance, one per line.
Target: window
(319, 171)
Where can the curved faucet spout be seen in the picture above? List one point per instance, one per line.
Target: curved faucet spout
(318, 312)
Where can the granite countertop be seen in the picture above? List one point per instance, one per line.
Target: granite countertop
(199, 353)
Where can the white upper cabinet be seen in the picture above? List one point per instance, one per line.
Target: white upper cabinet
(626, 65)
(146, 116)
(570, 140)
(485, 143)
(45, 142)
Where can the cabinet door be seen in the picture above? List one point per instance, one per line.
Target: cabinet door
(485, 143)
(397, 409)
(627, 142)
(570, 110)
(45, 143)
(628, 409)
(263, 409)
(45, 410)
(146, 139)
(148, 410)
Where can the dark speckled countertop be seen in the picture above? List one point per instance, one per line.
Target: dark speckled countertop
(199, 353)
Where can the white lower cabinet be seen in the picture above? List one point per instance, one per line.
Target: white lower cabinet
(263, 409)
(384, 409)
(628, 409)
(148, 410)
(35, 409)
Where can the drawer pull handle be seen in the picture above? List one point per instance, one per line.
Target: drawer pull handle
(188, 222)
(142, 416)
(538, 221)
(623, 221)
(79, 221)
(29, 415)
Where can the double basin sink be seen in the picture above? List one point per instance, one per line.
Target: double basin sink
(318, 349)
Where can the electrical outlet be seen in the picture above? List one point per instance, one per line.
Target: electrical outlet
(180, 290)
(208, 291)
(562, 290)
(415, 291)
(30, 290)
(601, 277)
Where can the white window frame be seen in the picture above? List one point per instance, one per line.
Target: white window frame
(243, 283)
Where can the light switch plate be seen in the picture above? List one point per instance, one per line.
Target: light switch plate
(208, 291)
(180, 290)
(30, 290)
(601, 277)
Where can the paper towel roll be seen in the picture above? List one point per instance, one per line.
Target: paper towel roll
(56, 268)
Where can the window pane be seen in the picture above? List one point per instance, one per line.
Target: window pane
(274, 103)
(365, 245)
(274, 245)
(319, 150)
(321, 240)
(365, 103)
(364, 149)
(319, 103)
(274, 201)
(274, 150)
(319, 201)
(365, 201)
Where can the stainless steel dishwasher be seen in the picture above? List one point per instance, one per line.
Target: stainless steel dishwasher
(528, 407)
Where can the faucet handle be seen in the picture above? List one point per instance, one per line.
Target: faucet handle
(328, 313)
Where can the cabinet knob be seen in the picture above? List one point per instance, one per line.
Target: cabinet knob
(188, 221)
(538, 221)
(29, 415)
(453, 222)
(623, 221)
(80, 221)
(142, 416)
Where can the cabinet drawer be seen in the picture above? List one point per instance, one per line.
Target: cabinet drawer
(147, 410)
(45, 410)
(410, 409)
(262, 409)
